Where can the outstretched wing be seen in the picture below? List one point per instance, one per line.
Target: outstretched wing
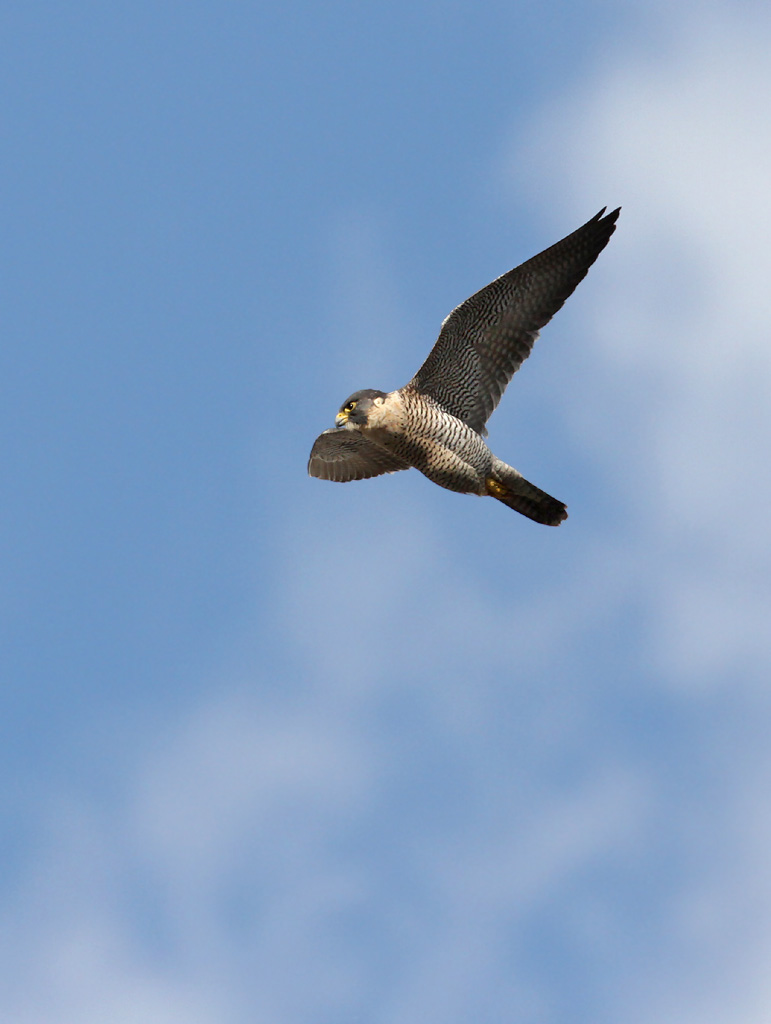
(485, 340)
(344, 455)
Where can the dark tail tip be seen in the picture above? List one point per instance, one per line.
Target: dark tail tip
(528, 500)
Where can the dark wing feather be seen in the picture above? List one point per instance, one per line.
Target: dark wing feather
(485, 340)
(343, 455)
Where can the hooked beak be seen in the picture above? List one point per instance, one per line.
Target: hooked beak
(341, 419)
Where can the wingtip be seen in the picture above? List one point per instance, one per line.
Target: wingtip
(612, 216)
(604, 221)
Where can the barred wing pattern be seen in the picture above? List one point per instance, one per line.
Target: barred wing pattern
(485, 340)
(343, 455)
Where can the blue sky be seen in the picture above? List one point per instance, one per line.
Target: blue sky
(279, 750)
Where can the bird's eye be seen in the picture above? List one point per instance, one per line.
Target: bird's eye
(350, 407)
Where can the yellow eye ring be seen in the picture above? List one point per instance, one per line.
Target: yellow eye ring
(350, 407)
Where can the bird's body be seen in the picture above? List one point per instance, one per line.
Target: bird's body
(417, 430)
(436, 422)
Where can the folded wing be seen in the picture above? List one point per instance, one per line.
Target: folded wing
(343, 455)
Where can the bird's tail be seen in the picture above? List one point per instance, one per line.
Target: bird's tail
(510, 487)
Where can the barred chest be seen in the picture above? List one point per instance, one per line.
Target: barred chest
(427, 437)
(391, 423)
(388, 415)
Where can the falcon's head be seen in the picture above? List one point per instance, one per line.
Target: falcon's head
(355, 410)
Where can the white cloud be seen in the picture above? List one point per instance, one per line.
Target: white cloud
(679, 138)
(253, 807)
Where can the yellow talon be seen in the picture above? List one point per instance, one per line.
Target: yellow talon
(495, 489)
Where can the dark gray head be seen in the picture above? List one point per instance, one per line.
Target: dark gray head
(356, 408)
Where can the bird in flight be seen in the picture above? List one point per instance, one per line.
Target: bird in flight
(436, 422)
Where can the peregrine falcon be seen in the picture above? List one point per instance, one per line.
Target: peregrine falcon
(436, 422)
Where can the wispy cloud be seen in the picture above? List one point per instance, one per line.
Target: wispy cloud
(678, 137)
